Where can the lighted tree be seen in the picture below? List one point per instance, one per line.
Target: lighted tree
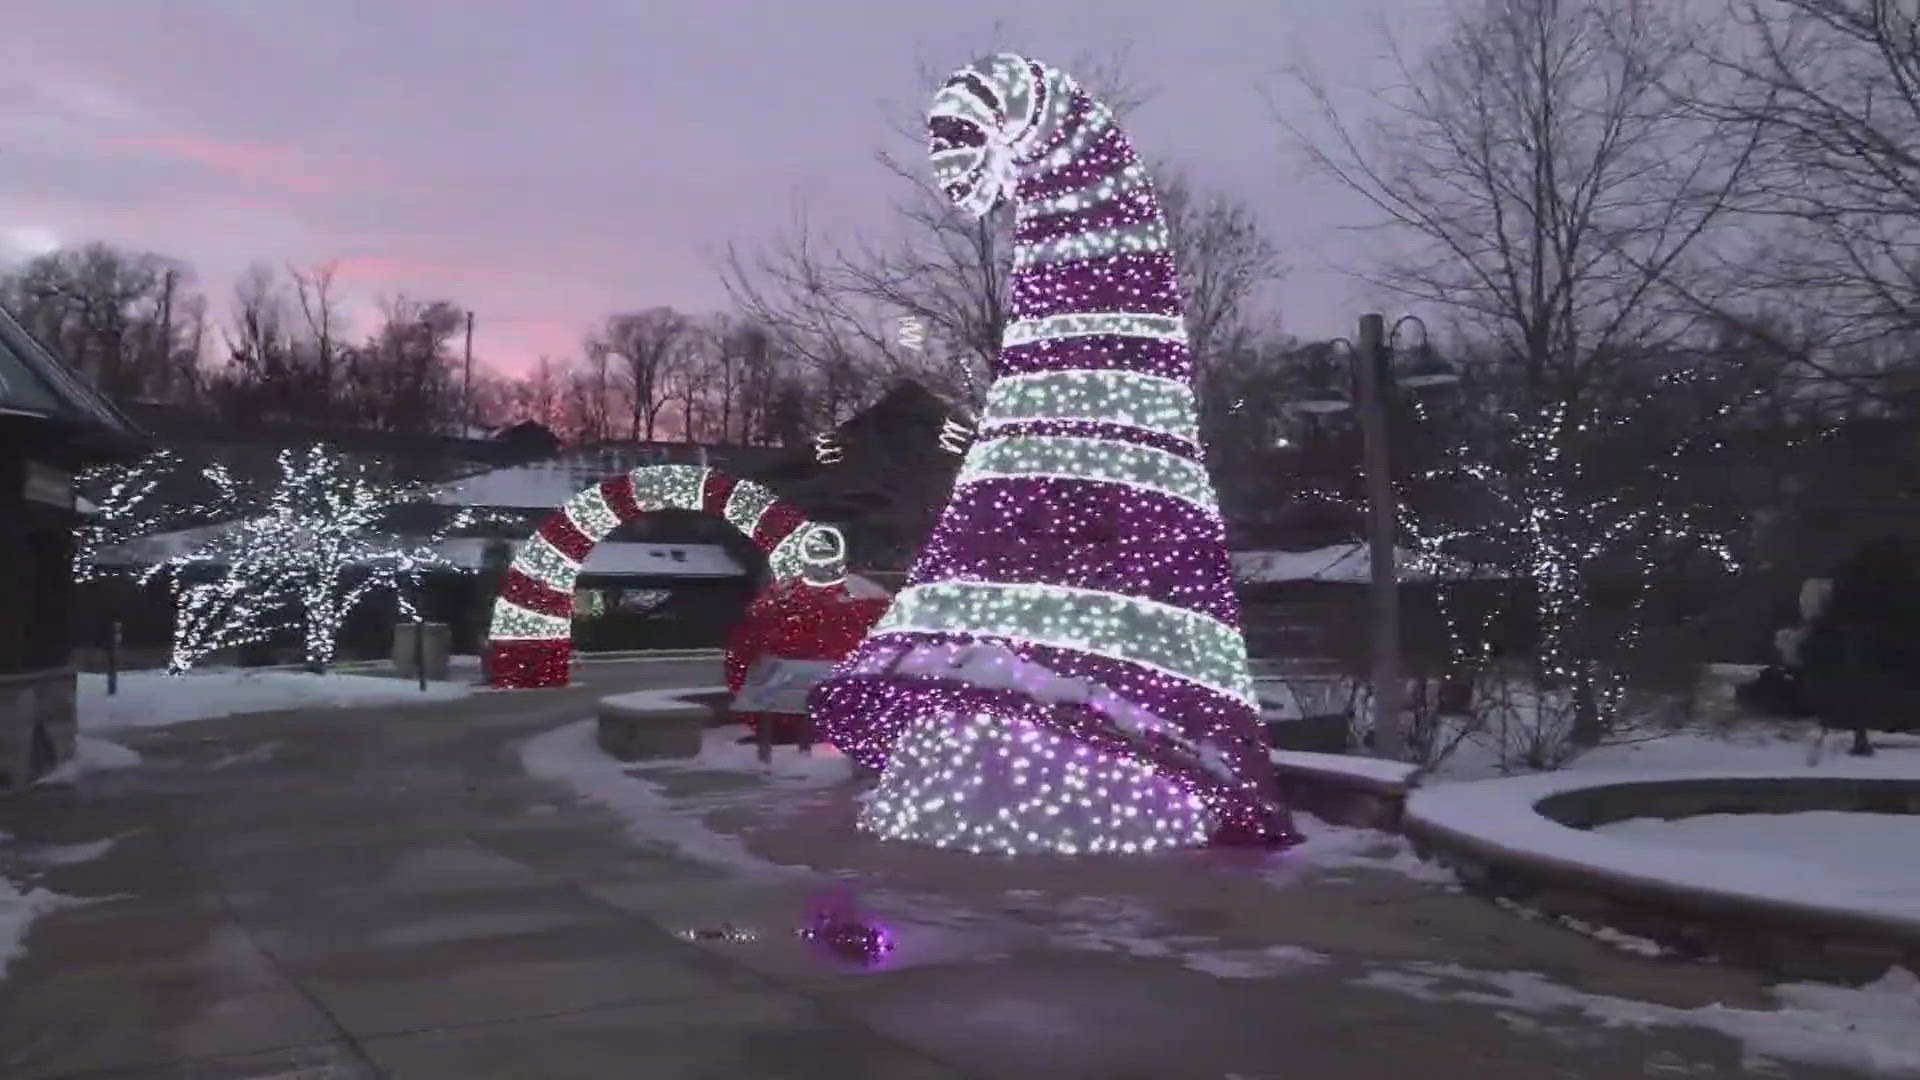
(1065, 670)
(226, 593)
(220, 601)
(125, 504)
(328, 536)
(301, 551)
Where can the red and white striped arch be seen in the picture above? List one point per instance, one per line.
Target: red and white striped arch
(531, 641)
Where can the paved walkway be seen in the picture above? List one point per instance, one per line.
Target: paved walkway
(385, 893)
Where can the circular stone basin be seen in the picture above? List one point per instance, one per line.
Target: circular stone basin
(1530, 839)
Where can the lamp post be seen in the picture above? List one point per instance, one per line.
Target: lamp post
(1374, 383)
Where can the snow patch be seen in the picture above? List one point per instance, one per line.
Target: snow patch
(1255, 963)
(1501, 813)
(1330, 848)
(1379, 770)
(1874, 1029)
(1131, 928)
(570, 756)
(722, 751)
(257, 755)
(156, 699)
(1864, 850)
(18, 910)
(91, 754)
(1606, 935)
(74, 854)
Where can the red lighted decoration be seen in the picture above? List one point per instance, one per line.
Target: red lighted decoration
(795, 619)
(531, 641)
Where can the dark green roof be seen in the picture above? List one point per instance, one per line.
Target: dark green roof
(35, 383)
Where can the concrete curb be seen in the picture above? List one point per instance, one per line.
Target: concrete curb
(352, 667)
(1693, 913)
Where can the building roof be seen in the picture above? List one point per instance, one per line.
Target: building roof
(536, 485)
(33, 382)
(551, 481)
(609, 558)
(623, 558)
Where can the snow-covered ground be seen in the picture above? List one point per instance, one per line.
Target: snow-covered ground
(1865, 850)
(1874, 1030)
(570, 756)
(18, 908)
(91, 754)
(155, 699)
(1842, 860)
(21, 904)
(1756, 744)
(1832, 860)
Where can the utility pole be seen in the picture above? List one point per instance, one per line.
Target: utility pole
(466, 391)
(1374, 379)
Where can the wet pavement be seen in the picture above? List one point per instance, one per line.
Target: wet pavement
(385, 892)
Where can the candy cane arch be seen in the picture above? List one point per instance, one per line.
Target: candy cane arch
(531, 643)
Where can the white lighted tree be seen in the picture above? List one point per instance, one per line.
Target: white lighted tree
(327, 538)
(225, 593)
(125, 503)
(304, 549)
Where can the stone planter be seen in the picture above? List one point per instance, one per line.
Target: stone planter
(653, 725)
(36, 724)
(1729, 911)
(1343, 789)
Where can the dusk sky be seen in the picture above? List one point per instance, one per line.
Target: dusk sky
(546, 163)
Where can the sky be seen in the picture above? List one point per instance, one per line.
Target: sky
(547, 162)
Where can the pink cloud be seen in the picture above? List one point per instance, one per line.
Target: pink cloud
(398, 270)
(513, 346)
(251, 162)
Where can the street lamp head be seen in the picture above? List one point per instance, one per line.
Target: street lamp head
(1427, 370)
(1326, 397)
(1323, 402)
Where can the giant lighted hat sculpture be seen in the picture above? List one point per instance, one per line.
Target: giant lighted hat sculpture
(531, 641)
(1065, 670)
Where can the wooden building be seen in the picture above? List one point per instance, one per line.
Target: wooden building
(52, 425)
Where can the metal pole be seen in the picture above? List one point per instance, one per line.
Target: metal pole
(113, 659)
(420, 650)
(1374, 381)
(466, 390)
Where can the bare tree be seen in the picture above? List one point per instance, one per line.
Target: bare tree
(649, 345)
(1225, 260)
(832, 306)
(723, 342)
(403, 376)
(319, 306)
(691, 384)
(586, 407)
(126, 320)
(1555, 182)
(1547, 160)
(1833, 87)
(262, 374)
(760, 366)
(536, 396)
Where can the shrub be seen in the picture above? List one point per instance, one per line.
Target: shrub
(1861, 657)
